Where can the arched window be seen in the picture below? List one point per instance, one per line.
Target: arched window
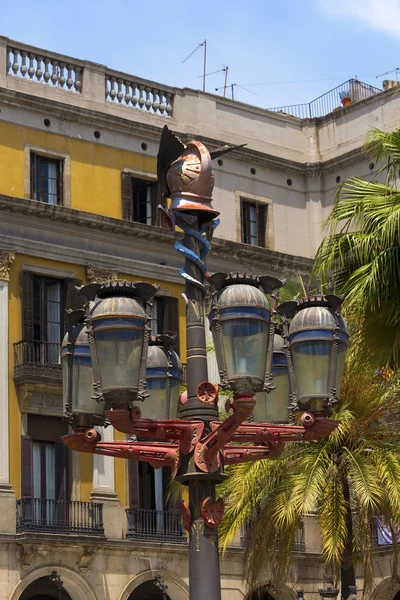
(44, 589)
(148, 591)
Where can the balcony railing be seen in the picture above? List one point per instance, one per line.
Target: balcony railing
(353, 89)
(37, 358)
(156, 525)
(42, 515)
(299, 542)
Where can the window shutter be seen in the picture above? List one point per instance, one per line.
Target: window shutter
(26, 466)
(33, 175)
(159, 198)
(73, 300)
(27, 306)
(61, 464)
(243, 222)
(133, 483)
(170, 326)
(126, 189)
(60, 174)
(261, 221)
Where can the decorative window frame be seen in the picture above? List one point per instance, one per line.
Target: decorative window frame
(55, 155)
(269, 229)
(140, 174)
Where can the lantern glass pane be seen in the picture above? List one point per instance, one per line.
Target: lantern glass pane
(174, 400)
(273, 407)
(82, 388)
(245, 347)
(119, 354)
(312, 363)
(155, 406)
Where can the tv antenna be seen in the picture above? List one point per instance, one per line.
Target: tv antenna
(204, 45)
(233, 85)
(225, 70)
(396, 70)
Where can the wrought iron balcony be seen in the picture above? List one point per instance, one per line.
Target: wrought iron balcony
(36, 359)
(156, 525)
(299, 542)
(59, 516)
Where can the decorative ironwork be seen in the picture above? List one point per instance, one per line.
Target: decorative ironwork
(158, 525)
(36, 359)
(40, 515)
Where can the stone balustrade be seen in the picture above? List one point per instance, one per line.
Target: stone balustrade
(147, 96)
(50, 69)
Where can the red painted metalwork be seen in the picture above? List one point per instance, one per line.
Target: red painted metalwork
(239, 454)
(157, 454)
(185, 515)
(187, 433)
(212, 512)
(207, 392)
(207, 451)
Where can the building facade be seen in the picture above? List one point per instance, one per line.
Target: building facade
(78, 197)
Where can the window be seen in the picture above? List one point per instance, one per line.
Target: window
(44, 300)
(46, 179)
(253, 223)
(140, 198)
(44, 469)
(165, 318)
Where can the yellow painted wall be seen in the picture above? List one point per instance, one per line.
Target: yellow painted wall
(95, 169)
(95, 187)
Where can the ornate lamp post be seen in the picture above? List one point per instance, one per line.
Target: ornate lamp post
(114, 372)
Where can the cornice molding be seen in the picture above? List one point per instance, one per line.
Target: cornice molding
(7, 257)
(229, 251)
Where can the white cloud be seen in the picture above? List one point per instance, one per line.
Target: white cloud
(383, 15)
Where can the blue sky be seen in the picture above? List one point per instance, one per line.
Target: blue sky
(262, 41)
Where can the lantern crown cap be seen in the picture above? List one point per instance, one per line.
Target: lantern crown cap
(329, 301)
(267, 283)
(122, 287)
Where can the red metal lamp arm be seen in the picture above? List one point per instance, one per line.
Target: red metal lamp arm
(239, 454)
(206, 454)
(156, 454)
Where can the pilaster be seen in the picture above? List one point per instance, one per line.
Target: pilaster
(3, 60)
(7, 495)
(103, 471)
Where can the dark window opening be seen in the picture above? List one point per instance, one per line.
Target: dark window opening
(165, 318)
(253, 220)
(46, 179)
(140, 199)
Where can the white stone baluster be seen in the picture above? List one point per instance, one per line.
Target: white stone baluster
(61, 80)
(134, 96)
(9, 64)
(141, 96)
(169, 105)
(39, 71)
(120, 95)
(70, 81)
(47, 75)
(24, 67)
(113, 91)
(161, 108)
(78, 82)
(54, 74)
(31, 70)
(156, 102)
(127, 96)
(15, 66)
(148, 100)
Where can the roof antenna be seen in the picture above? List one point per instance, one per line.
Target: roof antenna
(204, 44)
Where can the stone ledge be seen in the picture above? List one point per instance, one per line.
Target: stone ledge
(225, 250)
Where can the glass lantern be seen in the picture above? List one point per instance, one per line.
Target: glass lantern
(318, 340)
(79, 402)
(240, 322)
(120, 346)
(164, 377)
(272, 407)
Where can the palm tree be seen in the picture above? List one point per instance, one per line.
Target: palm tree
(361, 254)
(346, 480)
